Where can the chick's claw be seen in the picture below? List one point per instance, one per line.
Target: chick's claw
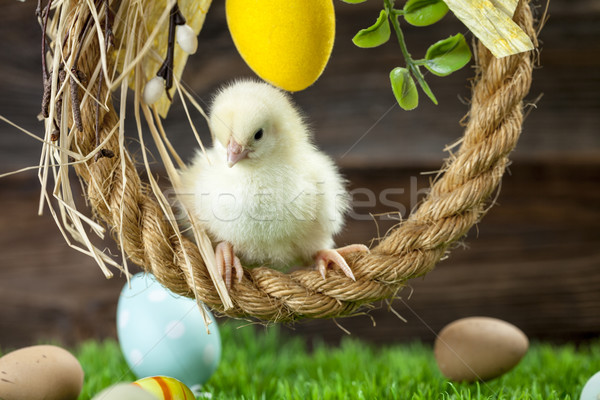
(335, 256)
(226, 261)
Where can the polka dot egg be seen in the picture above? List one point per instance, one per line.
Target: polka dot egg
(161, 333)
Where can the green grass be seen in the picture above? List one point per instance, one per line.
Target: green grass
(264, 364)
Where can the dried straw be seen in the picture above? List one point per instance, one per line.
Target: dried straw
(141, 218)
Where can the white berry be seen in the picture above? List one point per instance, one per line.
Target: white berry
(187, 39)
(154, 89)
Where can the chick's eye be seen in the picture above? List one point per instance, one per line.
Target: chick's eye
(258, 134)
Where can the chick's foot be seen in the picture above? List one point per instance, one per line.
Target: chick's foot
(325, 258)
(226, 261)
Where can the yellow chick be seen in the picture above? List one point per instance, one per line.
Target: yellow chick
(264, 192)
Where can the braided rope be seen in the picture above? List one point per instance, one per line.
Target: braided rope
(457, 201)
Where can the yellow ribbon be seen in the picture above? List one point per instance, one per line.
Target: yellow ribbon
(491, 22)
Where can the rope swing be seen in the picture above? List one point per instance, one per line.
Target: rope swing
(85, 133)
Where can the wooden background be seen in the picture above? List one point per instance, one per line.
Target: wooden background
(533, 261)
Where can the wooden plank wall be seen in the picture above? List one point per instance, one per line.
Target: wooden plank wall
(534, 260)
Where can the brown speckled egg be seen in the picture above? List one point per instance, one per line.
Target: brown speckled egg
(479, 348)
(40, 373)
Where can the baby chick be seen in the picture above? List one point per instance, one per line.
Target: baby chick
(264, 192)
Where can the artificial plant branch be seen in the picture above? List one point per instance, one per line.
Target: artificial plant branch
(166, 69)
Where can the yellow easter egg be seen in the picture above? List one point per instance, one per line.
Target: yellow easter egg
(286, 43)
(165, 388)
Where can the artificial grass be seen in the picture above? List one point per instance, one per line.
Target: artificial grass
(265, 364)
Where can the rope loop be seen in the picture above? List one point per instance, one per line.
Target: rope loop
(457, 200)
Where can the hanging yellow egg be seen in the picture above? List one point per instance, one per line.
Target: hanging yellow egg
(286, 43)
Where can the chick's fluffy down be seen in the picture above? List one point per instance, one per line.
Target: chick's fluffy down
(281, 204)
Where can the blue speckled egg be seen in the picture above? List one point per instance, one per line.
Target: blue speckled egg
(591, 390)
(161, 333)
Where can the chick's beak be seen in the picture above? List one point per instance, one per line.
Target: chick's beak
(235, 152)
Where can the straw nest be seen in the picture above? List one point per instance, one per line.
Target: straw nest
(85, 133)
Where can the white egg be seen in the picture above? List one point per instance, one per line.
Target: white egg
(591, 390)
(122, 391)
(186, 38)
(161, 333)
(154, 89)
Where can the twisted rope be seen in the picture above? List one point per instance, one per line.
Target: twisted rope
(457, 201)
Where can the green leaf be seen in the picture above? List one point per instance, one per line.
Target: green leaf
(354, 1)
(424, 12)
(375, 35)
(448, 55)
(427, 90)
(404, 88)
